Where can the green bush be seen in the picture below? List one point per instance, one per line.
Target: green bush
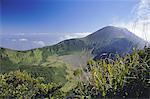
(120, 77)
(21, 85)
(126, 76)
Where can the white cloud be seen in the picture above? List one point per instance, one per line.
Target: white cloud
(74, 35)
(140, 24)
(142, 10)
(138, 28)
(21, 34)
(24, 34)
(23, 40)
(41, 43)
(14, 40)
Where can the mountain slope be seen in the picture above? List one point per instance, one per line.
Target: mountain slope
(110, 36)
(106, 38)
(109, 39)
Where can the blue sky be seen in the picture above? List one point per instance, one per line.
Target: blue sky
(50, 21)
(56, 16)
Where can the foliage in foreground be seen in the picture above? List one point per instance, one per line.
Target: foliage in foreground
(22, 85)
(127, 77)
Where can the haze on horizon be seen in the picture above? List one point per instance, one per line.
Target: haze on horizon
(27, 24)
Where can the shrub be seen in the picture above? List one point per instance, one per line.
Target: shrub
(126, 76)
(21, 85)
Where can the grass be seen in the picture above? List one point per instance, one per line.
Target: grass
(120, 77)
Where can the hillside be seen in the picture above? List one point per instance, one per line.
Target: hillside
(124, 77)
(109, 36)
(109, 39)
(72, 53)
(61, 63)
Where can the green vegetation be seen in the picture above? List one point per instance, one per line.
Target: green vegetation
(52, 70)
(21, 85)
(109, 39)
(122, 77)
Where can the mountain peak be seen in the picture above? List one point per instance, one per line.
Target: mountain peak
(110, 31)
(113, 28)
(109, 34)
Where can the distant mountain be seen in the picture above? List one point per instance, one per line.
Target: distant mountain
(112, 39)
(54, 62)
(110, 34)
(109, 39)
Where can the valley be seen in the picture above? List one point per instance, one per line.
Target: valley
(71, 63)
